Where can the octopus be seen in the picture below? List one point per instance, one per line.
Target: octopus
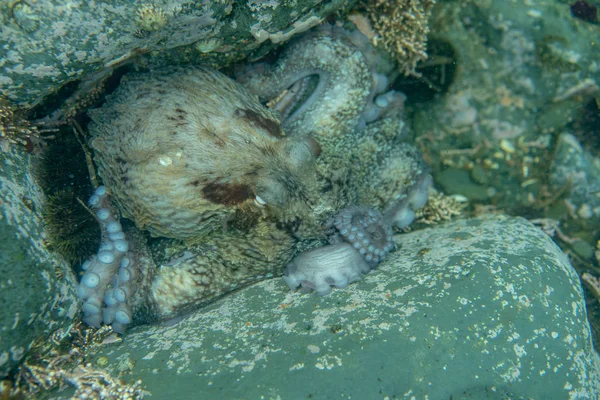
(297, 168)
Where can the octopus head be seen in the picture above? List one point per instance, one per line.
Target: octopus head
(290, 177)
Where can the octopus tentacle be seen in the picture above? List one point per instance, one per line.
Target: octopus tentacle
(366, 231)
(360, 239)
(107, 286)
(324, 267)
(401, 213)
(344, 78)
(326, 85)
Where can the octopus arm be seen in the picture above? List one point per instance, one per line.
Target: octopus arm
(322, 268)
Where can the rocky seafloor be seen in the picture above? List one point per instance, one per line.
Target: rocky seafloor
(492, 294)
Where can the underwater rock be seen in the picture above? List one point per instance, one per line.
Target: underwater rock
(483, 303)
(58, 41)
(507, 77)
(37, 286)
(539, 56)
(579, 171)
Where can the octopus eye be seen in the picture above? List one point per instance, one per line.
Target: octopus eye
(270, 192)
(260, 203)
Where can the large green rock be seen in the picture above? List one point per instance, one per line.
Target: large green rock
(37, 287)
(45, 44)
(482, 309)
(578, 170)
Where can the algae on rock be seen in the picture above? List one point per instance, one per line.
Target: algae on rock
(37, 287)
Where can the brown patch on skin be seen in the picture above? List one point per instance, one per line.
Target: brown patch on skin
(216, 139)
(268, 151)
(253, 172)
(271, 126)
(178, 119)
(226, 194)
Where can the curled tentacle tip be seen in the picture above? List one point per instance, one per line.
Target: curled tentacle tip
(322, 268)
(367, 232)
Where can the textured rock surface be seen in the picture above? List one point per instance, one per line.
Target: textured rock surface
(486, 308)
(524, 68)
(57, 41)
(577, 169)
(520, 72)
(37, 288)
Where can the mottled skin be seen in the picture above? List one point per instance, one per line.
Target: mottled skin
(344, 79)
(183, 149)
(368, 162)
(357, 163)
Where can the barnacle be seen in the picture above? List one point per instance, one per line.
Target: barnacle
(151, 18)
(24, 17)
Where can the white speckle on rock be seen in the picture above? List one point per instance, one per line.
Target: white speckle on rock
(16, 353)
(297, 367)
(575, 308)
(514, 336)
(16, 321)
(569, 339)
(519, 350)
(328, 362)
(493, 333)
(385, 326)
(524, 300)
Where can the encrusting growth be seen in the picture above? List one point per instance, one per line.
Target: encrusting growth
(403, 28)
